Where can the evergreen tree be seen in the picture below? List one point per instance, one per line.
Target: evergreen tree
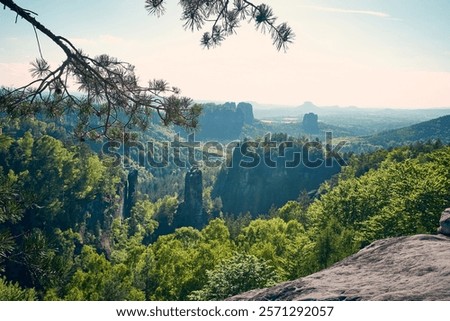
(112, 98)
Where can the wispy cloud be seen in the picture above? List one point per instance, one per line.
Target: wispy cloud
(378, 14)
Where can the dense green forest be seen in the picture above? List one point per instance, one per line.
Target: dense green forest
(84, 215)
(433, 129)
(65, 236)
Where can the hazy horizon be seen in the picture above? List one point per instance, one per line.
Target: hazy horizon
(370, 54)
(263, 106)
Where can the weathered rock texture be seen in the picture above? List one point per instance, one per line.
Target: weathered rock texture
(444, 223)
(246, 185)
(404, 268)
(310, 123)
(223, 122)
(130, 192)
(190, 212)
(247, 111)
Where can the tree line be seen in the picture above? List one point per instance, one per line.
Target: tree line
(63, 237)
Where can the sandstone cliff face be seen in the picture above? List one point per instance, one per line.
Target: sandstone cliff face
(404, 268)
(130, 193)
(310, 123)
(190, 212)
(223, 122)
(256, 189)
(247, 111)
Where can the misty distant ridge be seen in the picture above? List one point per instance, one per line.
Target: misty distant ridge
(343, 121)
(357, 121)
(265, 110)
(438, 128)
(309, 106)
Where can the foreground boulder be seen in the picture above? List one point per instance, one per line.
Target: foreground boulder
(404, 268)
(444, 223)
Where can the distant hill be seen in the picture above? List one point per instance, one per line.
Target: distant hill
(307, 107)
(438, 128)
(358, 121)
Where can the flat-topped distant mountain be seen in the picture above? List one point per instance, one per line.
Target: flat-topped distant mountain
(359, 121)
(264, 110)
(383, 127)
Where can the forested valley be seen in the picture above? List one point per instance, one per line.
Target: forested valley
(71, 229)
(113, 188)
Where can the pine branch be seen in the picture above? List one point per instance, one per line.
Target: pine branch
(112, 97)
(224, 17)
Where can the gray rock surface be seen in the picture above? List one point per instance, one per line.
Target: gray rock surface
(444, 222)
(404, 268)
(310, 123)
(190, 212)
(247, 111)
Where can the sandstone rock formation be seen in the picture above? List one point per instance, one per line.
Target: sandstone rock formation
(130, 192)
(445, 222)
(247, 111)
(221, 122)
(310, 123)
(190, 212)
(255, 189)
(404, 268)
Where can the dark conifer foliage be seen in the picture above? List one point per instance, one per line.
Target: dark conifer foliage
(224, 17)
(110, 98)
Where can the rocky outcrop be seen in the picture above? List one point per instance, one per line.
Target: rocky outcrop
(404, 268)
(190, 212)
(255, 188)
(222, 122)
(247, 110)
(444, 223)
(130, 192)
(311, 123)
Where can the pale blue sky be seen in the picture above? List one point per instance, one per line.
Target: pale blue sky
(368, 53)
